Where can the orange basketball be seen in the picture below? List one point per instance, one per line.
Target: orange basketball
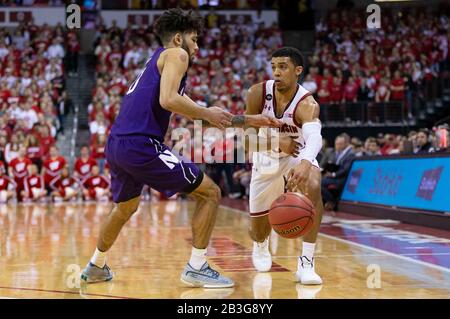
(292, 215)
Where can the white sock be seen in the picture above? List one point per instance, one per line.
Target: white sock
(308, 250)
(197, 258)
(99, 258)
(264, 245)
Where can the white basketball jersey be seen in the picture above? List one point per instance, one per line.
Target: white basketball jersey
(290, 128)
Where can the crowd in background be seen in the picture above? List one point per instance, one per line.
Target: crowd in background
(33, 104)
(349, 61)
(404, 64)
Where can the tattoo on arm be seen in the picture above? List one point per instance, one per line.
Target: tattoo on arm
(238, 120)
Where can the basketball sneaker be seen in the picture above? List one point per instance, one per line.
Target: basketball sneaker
(93, 273)
(206, 277)
(261, 257)
(306, 274)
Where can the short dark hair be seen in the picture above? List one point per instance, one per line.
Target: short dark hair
(425, 131)
(345, 136)
(177, 20)
(294, 54)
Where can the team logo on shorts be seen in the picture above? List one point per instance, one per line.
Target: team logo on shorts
(268, 97)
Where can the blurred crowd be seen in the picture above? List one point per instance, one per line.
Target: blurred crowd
(33, 105)
(403, 64)
(386, 64)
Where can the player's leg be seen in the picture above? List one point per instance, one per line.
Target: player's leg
(126, 196)
(117, 218)
(306, 273)
(97, 270)
(264, 189)
(259, 231)
(198, 272)
(207, 197)
(170, 174)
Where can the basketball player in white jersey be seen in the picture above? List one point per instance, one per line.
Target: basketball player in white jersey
(275, 171)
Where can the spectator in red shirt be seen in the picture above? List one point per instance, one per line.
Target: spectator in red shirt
(96, 187)
(336, 91)
(34, 186)
(53, 166)
(65, 187)
(397, 87)
(98, 151)
(83, 164)
(389, 146)
(45, 139)
(7, 187)
(324, 92)
(350, 90)
(34, 150)
(18, 168)
(383, 92)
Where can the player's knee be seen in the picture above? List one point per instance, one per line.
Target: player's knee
(208, 191)
(216, 193)
(314, 190)
(126, 210)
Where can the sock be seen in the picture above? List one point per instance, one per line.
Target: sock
(99, 258)
(308, 250)
(197, 258)
(264, 245)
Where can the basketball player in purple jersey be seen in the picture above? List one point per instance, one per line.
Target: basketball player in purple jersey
(137, 156)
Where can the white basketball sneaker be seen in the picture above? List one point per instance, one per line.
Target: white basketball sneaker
(306, 275)
(261, 257)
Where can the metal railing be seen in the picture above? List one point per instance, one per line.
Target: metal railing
(362, 113)
(73, 141)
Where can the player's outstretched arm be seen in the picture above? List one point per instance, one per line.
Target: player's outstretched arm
(175, 66)
(253, 116)
(254, 119)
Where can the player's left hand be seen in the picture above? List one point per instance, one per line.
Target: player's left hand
(298, 176)
(262, 120)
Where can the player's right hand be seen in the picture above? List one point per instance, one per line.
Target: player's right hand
(219, 117)
(289, 146)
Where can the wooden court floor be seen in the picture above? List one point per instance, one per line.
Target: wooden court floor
(43, 248)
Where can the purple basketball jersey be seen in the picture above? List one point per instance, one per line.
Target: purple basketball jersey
(140, 113)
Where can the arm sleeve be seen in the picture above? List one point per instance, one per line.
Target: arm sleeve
(313, 140)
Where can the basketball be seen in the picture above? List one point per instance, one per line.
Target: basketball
(292, 215)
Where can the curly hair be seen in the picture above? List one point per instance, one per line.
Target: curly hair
(177, 20)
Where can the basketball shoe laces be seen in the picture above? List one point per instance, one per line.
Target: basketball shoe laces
(209, 271)
(308, 262)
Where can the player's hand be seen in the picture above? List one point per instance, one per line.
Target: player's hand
(289, 146)
(262, 120)
(219, 117)
(298, 176)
